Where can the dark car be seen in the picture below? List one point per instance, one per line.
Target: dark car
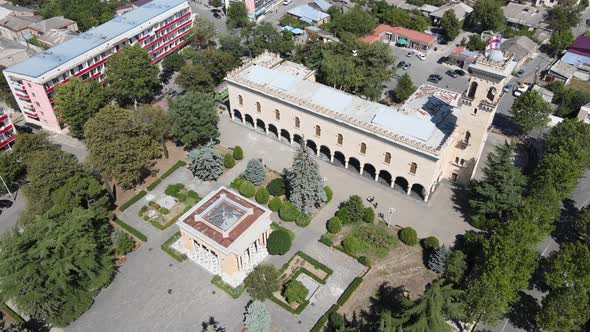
(459, 72)
(434, 78)
(23, 128)
(520, 73)
(217, 16)
(442, 60)
(401, 64)
(407, 66)
(451, 73)
(5, 204)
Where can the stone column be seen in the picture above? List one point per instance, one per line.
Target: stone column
(332, 157)
(361, 169)
(243, 120)
(346, 163)
(266, 130)
(426, 197)
(409, 188)
(392, 182)
(291, 139)
(376, 175)
(255, 124)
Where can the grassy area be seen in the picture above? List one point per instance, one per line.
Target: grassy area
(580, 85)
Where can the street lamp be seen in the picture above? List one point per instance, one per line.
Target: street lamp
(5, 186)
(391, 212)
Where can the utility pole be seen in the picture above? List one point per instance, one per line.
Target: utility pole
(5, 186)
(391, 212)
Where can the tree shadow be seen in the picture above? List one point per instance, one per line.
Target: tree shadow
(388, 298)
(460, 199)
(505, 125)
(565, 226)
(34, 325)
(212, 325)
(522, 313)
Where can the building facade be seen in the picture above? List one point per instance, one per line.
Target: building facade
(401, 36)
(226, 234)
(159, 26)
(435, 135)
(7, 132)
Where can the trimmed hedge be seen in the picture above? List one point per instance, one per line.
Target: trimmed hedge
(324, 319)
(316, 264)
(235, 184)
(369, 216)
(279, 242)
(430, 243)
(408, 236)
(132, 201)
(275, 204)
(276, 187)
(139, 235)
(351, 245)
(238, 153)
(247, 189)
(326, 240)
(275, 227)
(288, 308)
(170, 251)
(229, 161)
(288, 212)
(329, 194)
(262, 195)
(334, 225)
(349, 290)
(164, 210)
(364, 260)
(154, 185)
(11, 313)
(142, 210)
(170, 222)
(303, 220)
(193, 195)
(171, 170)
(233, 292)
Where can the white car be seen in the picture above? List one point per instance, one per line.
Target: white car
(286, 2)
(421, 56)
(521, 89)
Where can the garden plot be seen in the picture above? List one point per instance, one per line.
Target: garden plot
(165, 210)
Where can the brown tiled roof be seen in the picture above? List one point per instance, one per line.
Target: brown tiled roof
(237, 231)
(410, 34)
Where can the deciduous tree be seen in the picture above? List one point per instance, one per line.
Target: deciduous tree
(216, 62)
(404, 89)
(262, 282)
(489, 14)
(195, 77)
(560, 39)
(306, 186)
(530, 111)
(265, 36)
(237, 15)
(295, 292)
(203, 32)
(564, 309)
(194, 119)
(130, 75)
(77, 101)
(357, 22)
(450, 24)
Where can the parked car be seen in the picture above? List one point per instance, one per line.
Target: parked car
(401, 64)
(217, 16)
(507, 88)
(434, 78)
(519, 90)
(451, 73)
(22, 128)
(5, 203)
(410, 54)
(407, 66)
(520, 73)
(286, 2)
(421, 56)
(442, 59)
(459, 72)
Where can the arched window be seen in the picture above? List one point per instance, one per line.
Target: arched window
(258, 107)
(387, 158)
(277, 115)
(413, 168)
(340, 139)
(240, 100)
(363, 148)
(467, 137)
(318, 131)
(297, 122)
(475, 111)
(472, 89)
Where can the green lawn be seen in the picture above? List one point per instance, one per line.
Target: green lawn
(580, 85)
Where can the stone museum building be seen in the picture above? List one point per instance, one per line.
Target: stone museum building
(435, 135)
(226, 234)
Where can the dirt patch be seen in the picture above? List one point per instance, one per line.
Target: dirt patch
(402, 267)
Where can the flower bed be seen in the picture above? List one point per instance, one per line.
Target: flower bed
(162, 218)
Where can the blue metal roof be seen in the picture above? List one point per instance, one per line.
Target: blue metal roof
(323, 4)
(575, 59)
(308, 14)
(104, 33)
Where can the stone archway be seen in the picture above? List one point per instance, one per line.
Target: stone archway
(249, 121)
(285, 136)
(238, 116)
(369, 171)
(273, 131)
(297, 139)
(385, 177)
(313, 148)
(325, 153)
(354, 164)
(418, 191)
(339, 158)
(260, 126)
(401, 184)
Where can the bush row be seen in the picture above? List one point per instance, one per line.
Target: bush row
(316, 263)
(326, 240)
(139, 235)
(231, 291)
(324, 319)
(349, 290)
(154, 185)
(174, 167)
(170, 251)
(288, 307)
(132, 201)
(276, 226)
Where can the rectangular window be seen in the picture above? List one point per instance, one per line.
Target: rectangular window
(454, 177)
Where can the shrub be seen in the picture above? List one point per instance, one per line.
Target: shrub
(356, 282)
(255, 172)
(279, 242)
(142, 210)
(334, 225)
(172, 169)
(295, 292)
(351, 245)
(275, 204)
(238, 153)
(263, 281)
(329, 194)
(353, 210)
(123, 242)
(262, 195)
(375, 238)
(369, 216)
(236, 183)
(247, 189)
(229, 161)
(146, 218)
(336, 321)
(364, 260)
(181, 197)
(430, 243)
(303, 220)
(193, 195)
(164, 210)
(154, 205)
(276, 187)
(154, 185)
(439, 259)
(288, 212)
(174, 189)
(408, 236)
(326, 240)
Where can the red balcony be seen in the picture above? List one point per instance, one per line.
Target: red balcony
(22, 96)
(180, 35)
(167, 34)
(3, 117)
(174, 21)
(34, 115)
(6, 129)
(8, 140)
(159, 57)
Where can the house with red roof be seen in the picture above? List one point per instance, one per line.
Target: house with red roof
(401, 37)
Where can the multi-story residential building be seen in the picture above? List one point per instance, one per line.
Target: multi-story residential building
(159, 26)
(7, 131)
(436, 134)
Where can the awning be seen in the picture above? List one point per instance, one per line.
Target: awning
(402, 41)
